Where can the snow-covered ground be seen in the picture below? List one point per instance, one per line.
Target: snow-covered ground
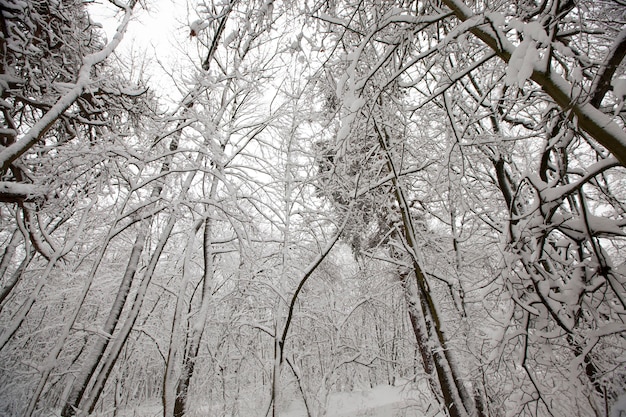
(382, 401)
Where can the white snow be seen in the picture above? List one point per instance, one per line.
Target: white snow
(536, 31)
(528, 64)
(522, 63)
(619, 407)
(576, 75)
(380, 401)
(619, 88)
(197, 25)
(20, 190)
(402, 400)
(515, 63)
(230, 38)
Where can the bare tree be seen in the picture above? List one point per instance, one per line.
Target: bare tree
(470, 156)
(413, 61)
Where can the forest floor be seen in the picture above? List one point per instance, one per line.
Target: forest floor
(381, 401)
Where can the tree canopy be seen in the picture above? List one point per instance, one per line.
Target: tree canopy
(348, 194)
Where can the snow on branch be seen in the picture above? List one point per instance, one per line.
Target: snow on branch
(14, 192)
(589, 118)
(34, 134)
(560, 192)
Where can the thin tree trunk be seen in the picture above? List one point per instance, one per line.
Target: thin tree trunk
(457, 399)
(102, 341)
(197, 328)
(418, 325)
(53, 355)
(280, 342)
(15, 278)
(89, 401)
(7, 256)
(278, 355)
(91, 365)
(24, 309)
(178, 332)
(64, 334)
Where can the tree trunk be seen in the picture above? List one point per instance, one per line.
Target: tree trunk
(7, 256)
(457, 399)
(15, 278)
(91, 365)
(197, 328)
(97, 351)
(89, 401)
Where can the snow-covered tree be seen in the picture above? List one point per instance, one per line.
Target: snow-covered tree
(511, 100)
(349, 193)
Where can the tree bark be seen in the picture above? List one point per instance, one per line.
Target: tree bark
(97, 351)
(90, 401)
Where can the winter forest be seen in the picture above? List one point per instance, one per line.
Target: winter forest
(327, 200)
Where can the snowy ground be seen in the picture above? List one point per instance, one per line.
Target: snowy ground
(380, 401)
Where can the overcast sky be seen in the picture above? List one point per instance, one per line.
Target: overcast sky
(159, 34)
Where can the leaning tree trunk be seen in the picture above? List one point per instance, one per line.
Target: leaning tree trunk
(281, 338)
(88, 404)
(98, 349)
(197, 328)
(456, 396)
(90, 367)
(9, 253)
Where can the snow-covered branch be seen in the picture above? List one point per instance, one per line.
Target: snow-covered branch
(13, 191)
(35, 133)
(589, 118)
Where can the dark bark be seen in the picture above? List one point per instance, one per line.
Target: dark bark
(197, 329)
(456, 397)
(90, 401)
(15, 278)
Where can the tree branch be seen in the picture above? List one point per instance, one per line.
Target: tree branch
(589, 118)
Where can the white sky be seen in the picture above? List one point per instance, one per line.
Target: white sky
(159, 36)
